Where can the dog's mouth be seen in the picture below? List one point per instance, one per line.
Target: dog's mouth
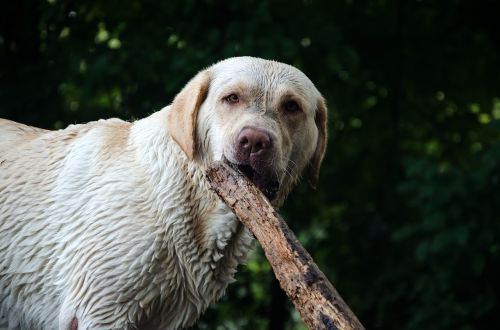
(263, 179)
(265, 182)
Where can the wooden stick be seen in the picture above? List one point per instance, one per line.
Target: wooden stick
(317, 301)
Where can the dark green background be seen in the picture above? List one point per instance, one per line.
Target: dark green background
(405, 221)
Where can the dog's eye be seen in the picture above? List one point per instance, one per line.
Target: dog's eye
(232, 98)
(291, 107)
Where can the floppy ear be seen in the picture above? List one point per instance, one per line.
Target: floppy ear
(319, 153)
(184, 111)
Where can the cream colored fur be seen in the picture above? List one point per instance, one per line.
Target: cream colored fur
(112, 223)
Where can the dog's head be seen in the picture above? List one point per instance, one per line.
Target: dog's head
(266, 117)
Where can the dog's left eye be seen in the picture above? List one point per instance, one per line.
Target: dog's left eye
(232, 98)
(291, 107)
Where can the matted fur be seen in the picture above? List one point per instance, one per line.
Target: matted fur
(112, 223)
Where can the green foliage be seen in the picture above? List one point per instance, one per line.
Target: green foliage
(404, 221)
(455, 240)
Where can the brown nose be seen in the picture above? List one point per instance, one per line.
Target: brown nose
(252, 143)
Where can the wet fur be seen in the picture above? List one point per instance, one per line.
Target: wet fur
(110, 224)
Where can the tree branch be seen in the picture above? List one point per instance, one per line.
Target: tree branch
(317, 301)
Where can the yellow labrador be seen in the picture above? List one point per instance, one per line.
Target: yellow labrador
(111, 225)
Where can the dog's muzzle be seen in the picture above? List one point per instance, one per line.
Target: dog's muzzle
(253, 153)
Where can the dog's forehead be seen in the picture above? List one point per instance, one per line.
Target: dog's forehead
(265, 74)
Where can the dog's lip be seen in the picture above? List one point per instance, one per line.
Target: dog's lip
(247, 170)
(269, 187)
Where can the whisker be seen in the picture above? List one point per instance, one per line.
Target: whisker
(291, 169)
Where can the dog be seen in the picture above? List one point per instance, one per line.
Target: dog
(112, 225)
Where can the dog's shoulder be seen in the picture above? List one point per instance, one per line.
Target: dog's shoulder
(110, 135)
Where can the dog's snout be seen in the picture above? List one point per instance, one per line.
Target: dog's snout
(252, 142)
(254, 151)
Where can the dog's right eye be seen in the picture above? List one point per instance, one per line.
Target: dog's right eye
(232, 98)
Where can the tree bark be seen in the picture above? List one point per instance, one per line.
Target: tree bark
(316, 300)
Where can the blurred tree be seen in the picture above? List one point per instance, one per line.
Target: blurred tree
(405, 220)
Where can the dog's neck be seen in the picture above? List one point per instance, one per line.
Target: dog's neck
(202, 240)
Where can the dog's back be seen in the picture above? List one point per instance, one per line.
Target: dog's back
(40, 205)
(13, 134)
(20, 168)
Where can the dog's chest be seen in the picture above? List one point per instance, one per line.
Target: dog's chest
(195, 271)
